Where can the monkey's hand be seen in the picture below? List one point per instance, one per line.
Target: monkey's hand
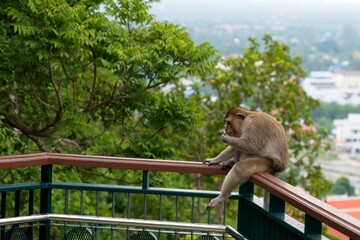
(225, 138)
(210, 162)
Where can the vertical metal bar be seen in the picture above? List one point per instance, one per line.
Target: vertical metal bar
(31, 202)
(82, 202)
(145, 205)
(129, 206)
(224, 217)
(160, 214)
(45, 200)
(145, 186)
(176, 208)
(160, 208)
(176, 213)
(244, 211)
(97, 212)
(66, 208)
(97, 203)
(31, 211)
(3, 214)
(312, 226)
(113, 205)
(192, 214)
(208, 215)
(146, 180)
(276, 204)
(192, 209)
(113, 213)
(17, 204)
(224, 213)
(128, 214)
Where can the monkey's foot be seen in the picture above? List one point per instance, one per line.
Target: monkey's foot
(215, 202)
(227, 165)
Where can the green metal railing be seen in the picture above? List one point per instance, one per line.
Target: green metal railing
(255, 219)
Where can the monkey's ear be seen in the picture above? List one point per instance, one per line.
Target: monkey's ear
(241, 116)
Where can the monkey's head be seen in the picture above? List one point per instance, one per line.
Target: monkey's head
(233, 119)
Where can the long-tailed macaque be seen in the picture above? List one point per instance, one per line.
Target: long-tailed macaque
(256, 143)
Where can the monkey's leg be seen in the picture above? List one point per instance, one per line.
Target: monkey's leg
(240, 173)
(225, 155)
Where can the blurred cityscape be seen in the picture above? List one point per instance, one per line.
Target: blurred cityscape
(325, 33)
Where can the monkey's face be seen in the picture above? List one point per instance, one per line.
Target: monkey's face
(233, 122)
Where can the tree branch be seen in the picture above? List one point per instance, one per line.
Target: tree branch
(39, 98)
(14, 121)
(119, 97)
(92, 91)
(38, 142)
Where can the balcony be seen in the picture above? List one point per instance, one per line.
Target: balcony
(28, 208)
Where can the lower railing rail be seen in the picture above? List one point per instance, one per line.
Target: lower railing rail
(151, 224)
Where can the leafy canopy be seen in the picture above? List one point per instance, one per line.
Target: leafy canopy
(76, 75)
(88, 77)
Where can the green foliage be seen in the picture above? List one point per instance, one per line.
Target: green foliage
(266, 78)
(343, 186)
(80, 77)
(88, 77)
(69, 67)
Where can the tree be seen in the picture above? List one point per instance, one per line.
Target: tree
(86, 76)
(343, 186)
(80, 76)
(266, 78)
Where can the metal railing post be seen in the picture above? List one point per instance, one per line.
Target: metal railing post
(146, 180)
(244, 210)
(312, 226)
(45, 200)
(145, 186)
(276, 205)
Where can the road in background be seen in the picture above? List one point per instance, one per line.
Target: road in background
(343, 167)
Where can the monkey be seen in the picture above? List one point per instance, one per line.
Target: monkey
(256, 141)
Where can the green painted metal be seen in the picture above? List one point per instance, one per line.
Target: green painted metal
(45, 200)
(313, 227)
(244, 213)
(276, 205)
(146, 180)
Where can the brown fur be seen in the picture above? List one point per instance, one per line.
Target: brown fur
(256, 143)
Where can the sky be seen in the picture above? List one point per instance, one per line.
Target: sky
(172, 9)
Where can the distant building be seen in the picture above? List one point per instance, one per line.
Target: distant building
(350, 206)
(342, 87)
(347, 134)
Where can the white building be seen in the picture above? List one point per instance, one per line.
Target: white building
(347, 134)
(340, 87)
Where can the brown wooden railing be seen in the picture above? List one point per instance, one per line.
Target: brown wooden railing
(316, 211)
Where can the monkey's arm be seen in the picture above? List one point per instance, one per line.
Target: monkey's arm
(225, 156)
(243, 144)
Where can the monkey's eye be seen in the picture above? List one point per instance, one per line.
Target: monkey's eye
(227, 123)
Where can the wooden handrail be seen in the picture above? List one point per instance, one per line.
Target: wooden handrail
(40, 159)
(297, 198)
